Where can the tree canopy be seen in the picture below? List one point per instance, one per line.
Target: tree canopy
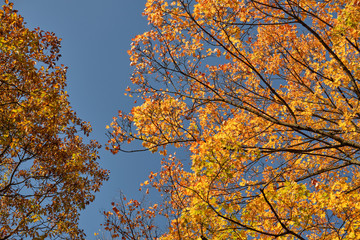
(265, 96)
(48, 172)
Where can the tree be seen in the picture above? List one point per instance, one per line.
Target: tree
(48, 173)
(264, 94)
(130, 220)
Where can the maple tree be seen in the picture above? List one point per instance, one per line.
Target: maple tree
(264, 95)
(131, 219)
(48, 172)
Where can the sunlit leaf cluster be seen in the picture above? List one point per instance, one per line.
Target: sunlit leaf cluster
(265, 95)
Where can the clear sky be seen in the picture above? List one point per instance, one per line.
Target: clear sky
(96, 36)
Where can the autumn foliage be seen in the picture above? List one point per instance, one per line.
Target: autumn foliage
(265, 95)
(48, 173)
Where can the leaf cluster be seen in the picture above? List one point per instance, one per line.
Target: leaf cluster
(264, 94)
(47, 171)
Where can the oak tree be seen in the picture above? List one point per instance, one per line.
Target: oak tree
(265, 95)
(48, 172)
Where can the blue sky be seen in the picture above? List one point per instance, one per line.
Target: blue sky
(96, 36)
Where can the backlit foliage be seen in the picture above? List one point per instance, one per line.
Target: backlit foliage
(47, 172)
(265, 96)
